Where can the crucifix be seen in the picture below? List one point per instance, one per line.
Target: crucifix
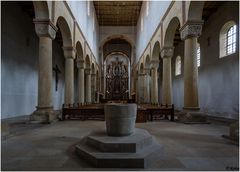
(57, 71)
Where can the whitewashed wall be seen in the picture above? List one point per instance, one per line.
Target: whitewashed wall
(88, 23)
(157, 10)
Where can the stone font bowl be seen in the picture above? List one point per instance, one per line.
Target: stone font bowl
(120, 118)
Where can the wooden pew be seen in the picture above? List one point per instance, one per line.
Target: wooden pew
(158, 111)
(144, 112)
(83, 112)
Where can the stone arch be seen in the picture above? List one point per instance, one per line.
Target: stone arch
(87, 62)
(41, 9)
(141, 69)
(97, 80)
(79, 51)
(147, 61)
(156, 51)
(116, 52)
(93, 68)
(170, 32)
(126, 38)
(195, 10)
(65, 31)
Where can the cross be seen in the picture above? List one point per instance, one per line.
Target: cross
(57, 71)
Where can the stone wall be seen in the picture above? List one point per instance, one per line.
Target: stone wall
(19, 64)
(218, 77)
(88, 23)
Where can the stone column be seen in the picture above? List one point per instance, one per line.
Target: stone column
(93, 92)
(46, 31)
(166, 54)
(69, 54)
(154, 85)
(147, 85)
(81, 82)
(189, 33)
(136, 89)
(88, 85)
(141, 87)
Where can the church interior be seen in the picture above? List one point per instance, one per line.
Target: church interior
(119, 85)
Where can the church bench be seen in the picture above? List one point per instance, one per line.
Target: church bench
(154, 112)
(83, 112)
(96, 111)
(162, 110)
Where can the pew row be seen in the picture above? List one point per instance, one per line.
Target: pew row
(96, 111)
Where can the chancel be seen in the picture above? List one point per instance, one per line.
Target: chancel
(119, 85)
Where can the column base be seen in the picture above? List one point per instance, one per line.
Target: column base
(43, 115)
(192, 115)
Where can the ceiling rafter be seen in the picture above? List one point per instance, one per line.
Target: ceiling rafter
(117, 13)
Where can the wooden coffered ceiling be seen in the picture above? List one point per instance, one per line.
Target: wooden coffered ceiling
(117, 13)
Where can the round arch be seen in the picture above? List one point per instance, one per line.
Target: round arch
(141, 69)
(127, 39)
(116, 52)
(41, 9)
(87, 62)
(93, 68)
(156, 51)
(195, 10)
(147, 61)
(79, 50)
(170, 32)
(65, 31)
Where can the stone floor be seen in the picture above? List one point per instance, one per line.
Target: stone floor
(187, 147)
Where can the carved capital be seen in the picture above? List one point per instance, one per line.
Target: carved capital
(191, 29)
(69, 52)
(167, 52)
(147, 71)
(45, 28)
(141, 74)
(80, 63)
(88, 71)
(154, 63)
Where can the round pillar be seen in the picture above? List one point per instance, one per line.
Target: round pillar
(69, 54)
(166, 54)
(81, 82)
(46, 31)
(189, 33)
(88, 85)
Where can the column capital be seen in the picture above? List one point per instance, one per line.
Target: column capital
(69, 52)
(191, 29)
(45, 28)
(80, 63)
(88, 71)
(141, 74)
(154, 63)
(167, 52)
(147, 71)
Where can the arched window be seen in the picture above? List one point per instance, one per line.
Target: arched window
(228, 39)
(178, 66)
(198, 55)
(231, 40)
